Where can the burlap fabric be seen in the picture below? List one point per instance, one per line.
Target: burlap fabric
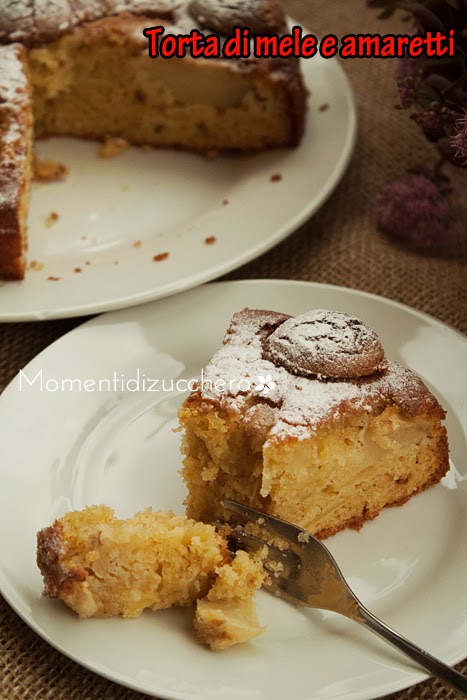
(340, 245)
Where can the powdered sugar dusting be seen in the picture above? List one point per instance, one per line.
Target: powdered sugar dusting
(35, 21)
(302, 404)
(13, 91)
(14, 121)
(307, 403)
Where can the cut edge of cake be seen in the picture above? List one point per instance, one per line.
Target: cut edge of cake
(15, 159)
(323, 454)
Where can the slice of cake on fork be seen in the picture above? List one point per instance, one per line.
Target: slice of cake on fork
(304, 418)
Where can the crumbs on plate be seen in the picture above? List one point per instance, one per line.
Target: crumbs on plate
(210, 240)
(51, 219)
(160, 257)
(36, 265)
(276, 177)
(48, 170)
(51, 278)
(112, 147)
(137, 244)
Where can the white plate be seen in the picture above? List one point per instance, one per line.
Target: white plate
(172, 202)
(64, 450)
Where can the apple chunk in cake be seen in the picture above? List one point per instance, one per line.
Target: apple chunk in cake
(342, 434)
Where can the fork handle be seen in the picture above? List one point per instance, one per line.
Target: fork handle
(434, 666)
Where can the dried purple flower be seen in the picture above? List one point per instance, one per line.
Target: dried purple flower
(459, 140)
(408, 76)
(431, 123)
(415, 210)
(433, 85)
(406, 89)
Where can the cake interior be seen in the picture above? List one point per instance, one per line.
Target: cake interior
(102, 566)
(227, 615)
(344, 473)
(99, 81)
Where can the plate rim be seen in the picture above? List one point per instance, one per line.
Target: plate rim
(242, 258)
(10, 594)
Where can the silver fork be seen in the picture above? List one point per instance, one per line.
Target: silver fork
(307, 574)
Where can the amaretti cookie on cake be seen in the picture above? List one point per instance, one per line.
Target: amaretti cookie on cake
(304, 418)
(83, 69)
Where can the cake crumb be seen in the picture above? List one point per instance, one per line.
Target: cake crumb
(137, 244)
(324, 107)
(276, 177)
(51, 219)
(303, 537)
(35, 265)
(87, 262)
(48, 170)
(225, 202)
(210, 240)
(160, 257)
(77, 269)
(276, 568)
(53, 279)
(112, 147)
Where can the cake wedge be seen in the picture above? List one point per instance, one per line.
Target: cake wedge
(304, 418)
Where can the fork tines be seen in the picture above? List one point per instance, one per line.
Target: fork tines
(275, 526)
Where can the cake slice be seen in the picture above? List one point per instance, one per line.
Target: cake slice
(101, 566)
(305, 419)
(15, 159)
